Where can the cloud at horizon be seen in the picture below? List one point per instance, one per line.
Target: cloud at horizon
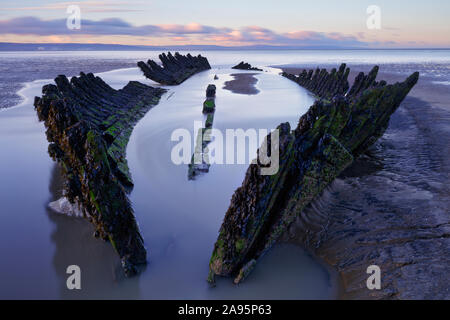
(179, 34)
(330, 23)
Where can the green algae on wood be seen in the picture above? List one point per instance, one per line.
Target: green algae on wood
(88, 126)
(337, 128)
(200, 159)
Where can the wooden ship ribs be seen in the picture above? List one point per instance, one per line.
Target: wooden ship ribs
(88, 126)
(338, 127)
(175, 68)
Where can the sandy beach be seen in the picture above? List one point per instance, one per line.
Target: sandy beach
(391, 207)
(243, 83)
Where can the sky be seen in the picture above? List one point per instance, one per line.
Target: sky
(323, 23)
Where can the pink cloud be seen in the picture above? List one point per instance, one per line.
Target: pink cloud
(250, 35)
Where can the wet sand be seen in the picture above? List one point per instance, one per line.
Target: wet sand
(14, 74)
(243, 83)
(391, 207)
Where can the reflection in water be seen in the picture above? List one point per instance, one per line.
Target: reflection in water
(75, 245)
(179, 219)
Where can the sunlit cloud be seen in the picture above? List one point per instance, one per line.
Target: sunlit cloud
(190, 33)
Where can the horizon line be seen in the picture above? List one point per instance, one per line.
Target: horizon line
(34, 47)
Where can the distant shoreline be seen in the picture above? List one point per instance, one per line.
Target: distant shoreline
(44, 47)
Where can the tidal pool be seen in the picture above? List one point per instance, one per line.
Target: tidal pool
(179, 219)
